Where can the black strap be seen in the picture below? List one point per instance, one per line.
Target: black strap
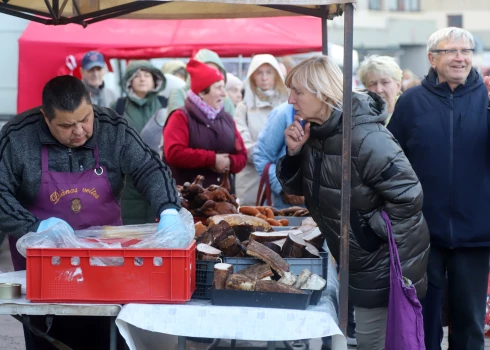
(163, 101)
(264, 192)
(120, 105)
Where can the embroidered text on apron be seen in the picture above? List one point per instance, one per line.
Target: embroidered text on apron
(82, 199)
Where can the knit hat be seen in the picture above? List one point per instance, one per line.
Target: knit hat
(232, 80)
(202, 76)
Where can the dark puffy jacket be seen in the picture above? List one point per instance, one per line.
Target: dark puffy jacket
(382, 179)
(445, 135)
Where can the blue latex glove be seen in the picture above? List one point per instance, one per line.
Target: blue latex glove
(170, 218)
(175, 230)
(45, 224)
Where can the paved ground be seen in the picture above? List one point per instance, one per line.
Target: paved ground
(12, 337)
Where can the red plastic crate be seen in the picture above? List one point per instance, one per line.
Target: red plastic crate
(173, 282)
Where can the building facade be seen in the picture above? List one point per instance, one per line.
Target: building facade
(400, 28)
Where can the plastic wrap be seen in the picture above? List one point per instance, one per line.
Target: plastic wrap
(118, 232)
(177, 237)
(115, 237)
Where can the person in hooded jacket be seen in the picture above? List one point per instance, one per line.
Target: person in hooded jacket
(382, 180)
(443, 127)
(175, 68)
(264, 90)
(143, 83)
(270, 147)
(177, 97)
(201, 138)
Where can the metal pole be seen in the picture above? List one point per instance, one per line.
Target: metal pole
(240, 66)
(113, 334)
(8, 11)
(56, 8)
(77, 10)
(181, 343)
(62, 8)
(120, 77)
(324, 32)
(346, 167)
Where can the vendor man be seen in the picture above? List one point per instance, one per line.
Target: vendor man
(66, 161)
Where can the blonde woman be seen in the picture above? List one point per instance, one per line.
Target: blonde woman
(264, 90)
(383, 76)
(382, 180)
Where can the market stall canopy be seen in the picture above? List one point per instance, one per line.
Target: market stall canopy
(58, 49)
(57, 12)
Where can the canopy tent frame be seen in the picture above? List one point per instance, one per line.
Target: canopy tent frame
(53, 16)
(324, 11)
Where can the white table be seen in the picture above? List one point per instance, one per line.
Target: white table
(22, 306)
(198, 318)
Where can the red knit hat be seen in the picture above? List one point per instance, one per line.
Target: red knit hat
(202, 76)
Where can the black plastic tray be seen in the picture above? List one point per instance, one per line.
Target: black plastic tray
(316, 295)
(227, 297)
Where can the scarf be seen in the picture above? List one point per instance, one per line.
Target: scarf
(267, 93)
(208, 111)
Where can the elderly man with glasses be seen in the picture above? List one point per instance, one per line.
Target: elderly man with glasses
(443, 128)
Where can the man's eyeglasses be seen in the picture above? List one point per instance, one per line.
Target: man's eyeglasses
(454, 52)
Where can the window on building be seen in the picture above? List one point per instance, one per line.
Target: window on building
(375, 5)
(404, 5)
(455, 21)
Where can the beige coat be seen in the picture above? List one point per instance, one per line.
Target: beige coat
(250, 118)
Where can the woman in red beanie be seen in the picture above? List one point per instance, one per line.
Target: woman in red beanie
(201, 138)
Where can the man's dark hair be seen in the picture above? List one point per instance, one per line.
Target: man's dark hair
(64, 93)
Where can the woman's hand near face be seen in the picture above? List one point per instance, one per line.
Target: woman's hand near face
(296, 136)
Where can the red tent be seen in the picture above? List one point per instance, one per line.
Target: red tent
(44, 51)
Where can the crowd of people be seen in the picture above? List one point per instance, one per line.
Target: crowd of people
(420, 154)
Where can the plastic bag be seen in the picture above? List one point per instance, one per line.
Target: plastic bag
(118, 232)
(61, 236)
(112, 237)
(172, 237)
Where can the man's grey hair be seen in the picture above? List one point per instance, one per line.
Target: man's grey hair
(449, 34)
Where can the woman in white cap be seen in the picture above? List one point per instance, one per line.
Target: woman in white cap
(264, 90)
(234, 87)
